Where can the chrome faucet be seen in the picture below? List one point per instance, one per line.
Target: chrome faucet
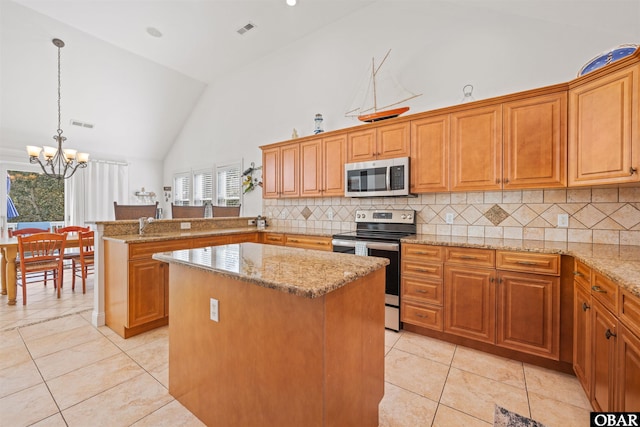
(144, 222)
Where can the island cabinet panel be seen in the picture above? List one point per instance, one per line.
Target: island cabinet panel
(274, 358)
(529, 313)
(604, 129)
(147, 281)
(430, 154)
(535, 142)
(476, 149)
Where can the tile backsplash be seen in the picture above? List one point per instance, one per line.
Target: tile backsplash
(596, 215)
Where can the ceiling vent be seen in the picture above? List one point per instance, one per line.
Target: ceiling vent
(246, 28)
(78, 123)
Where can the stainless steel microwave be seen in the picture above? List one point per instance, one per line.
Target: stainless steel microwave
(389, 177)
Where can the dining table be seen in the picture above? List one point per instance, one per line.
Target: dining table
(8, 255)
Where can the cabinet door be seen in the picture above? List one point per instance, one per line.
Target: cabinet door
(603, 357)
(147, 283)
(470, 302)
(529, 313)
(604, 130)
(270, 173)
(361, 146)
(430, 154)
(628, 371)
(393, 141)
(582, 336)
(535, 142)
(311, 168)
(290, 170)
(476, 149)
(334, 155)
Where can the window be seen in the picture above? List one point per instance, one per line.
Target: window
(202, 187)
(229, 188)
(182, 189)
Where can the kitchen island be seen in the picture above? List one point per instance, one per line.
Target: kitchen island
(297, 336)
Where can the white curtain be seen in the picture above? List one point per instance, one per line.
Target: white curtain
(90, 193)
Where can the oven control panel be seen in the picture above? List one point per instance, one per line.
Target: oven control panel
(390, 216)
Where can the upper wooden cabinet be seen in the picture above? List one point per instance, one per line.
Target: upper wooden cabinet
(535, 142)
(311, 168)
(604, 129)
(280, 169)
(430, 154)
(383, 142)
(322, 166)
(476, 149)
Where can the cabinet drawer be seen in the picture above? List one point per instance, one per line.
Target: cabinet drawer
(630, 311)
(306, 242)
(203, 242)
(422, 252)
(528, 262)
(422, 315)
(605, 291)
(422, 290)
(142, 250)
(241, 238)
(582, 274)
(469, 256)
(273, 238)
(428, 270)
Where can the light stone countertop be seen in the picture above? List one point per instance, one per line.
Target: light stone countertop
(176, 235)
(617, 262)
(303, 272)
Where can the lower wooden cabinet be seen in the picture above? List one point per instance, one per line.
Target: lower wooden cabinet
(582, 335)
(628, 371)
(147, 293)
(603, 357)
(308, 242)
(421, 288)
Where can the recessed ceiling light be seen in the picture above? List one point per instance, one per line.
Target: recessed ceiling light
(292, 2)
(154, 32)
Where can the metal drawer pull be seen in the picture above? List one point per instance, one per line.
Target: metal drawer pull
(491, 279)
(527, 262)
(422, 270)
(632, 170)
(585, 306)
(421, 291)
(578, 274)
(609, 334)
(598, 289)
(321, 243)
(294, 240)
(422, 316)
(467, 257)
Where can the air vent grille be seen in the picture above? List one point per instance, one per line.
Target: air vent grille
(244, 29)
(78, 123)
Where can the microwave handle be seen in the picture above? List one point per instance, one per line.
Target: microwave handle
(388, 179)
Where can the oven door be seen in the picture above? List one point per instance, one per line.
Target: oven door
(388, 250)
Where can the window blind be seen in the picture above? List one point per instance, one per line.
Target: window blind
(202, 186)
(182, 189)
(229, 188)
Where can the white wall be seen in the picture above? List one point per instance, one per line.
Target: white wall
(438, 47)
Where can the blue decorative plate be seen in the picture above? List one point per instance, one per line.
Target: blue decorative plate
(608, 57)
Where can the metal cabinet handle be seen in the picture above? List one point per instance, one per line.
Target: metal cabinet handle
(491, 279)
(598, 289)
(632, 170)
(585, 306)
(578, 274)
(467, 257)
(421, 291)
(506, 180)
(422, 316)
(526, 262)
(609, 334)
(294, 240)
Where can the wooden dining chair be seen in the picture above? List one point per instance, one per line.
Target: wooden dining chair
(27, 232)
(134, 211)
(187, 211)
(84, 262)
(71, 230)
(221, 211)
(41, 252)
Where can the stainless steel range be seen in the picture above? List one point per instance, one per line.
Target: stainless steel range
(378, 233)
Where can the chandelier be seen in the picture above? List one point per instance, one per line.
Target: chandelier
(56, 162)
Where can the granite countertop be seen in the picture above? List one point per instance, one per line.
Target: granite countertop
(318, 232)
(617, 262)
(303, 272)
(175, 235)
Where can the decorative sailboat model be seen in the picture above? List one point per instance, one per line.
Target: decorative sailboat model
(374, 107)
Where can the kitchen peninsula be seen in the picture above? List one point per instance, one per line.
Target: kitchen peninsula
(248, 319)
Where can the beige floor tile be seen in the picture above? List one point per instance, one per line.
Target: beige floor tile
(69, 359)
(123, 404)
(402, 408)
(59, 341)
(9, 339)
(138, 340)
(390, 337)
(553, 413)
(416, 374)
(555, 385)
(52, 421)
(172, 414)
(78, 385)
(151, 355)
(27, 406)
(161, 373)
(477, 396)
(18, 377)
(429, 348)
(487, 365)
(449, 417)
(13, 354)
(44, 329)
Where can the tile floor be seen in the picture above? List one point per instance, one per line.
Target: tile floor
(65, 372)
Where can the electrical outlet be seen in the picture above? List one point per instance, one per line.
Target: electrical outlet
(448, 218)
(185, 226)
(330, 214)
(563, 220)
(251, 222)
(213, 309)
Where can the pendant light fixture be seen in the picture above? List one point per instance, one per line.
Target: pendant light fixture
(56, 162)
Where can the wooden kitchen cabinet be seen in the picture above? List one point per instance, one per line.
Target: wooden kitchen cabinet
(147, 291)
(272, 239)
(322, 166)
(628, 371)
(430, 154)
(603, 357)
(308, 242)
(476, 149)
(604, 129)
(382, 142)
(311, 168)
(582, 329)
(535, 142)
(281, 171)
